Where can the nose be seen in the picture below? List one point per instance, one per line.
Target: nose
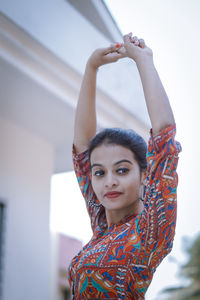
(110, 180)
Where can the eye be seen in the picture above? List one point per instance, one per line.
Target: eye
(122, 171)
(99, 173)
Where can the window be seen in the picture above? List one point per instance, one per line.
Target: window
(2, 238)
(66, 294)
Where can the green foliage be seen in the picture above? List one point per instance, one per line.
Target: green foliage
(191, 272)
(192, 268)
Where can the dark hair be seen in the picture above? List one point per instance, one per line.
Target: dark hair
(124, 137)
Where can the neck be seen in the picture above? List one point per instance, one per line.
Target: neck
(115, 216)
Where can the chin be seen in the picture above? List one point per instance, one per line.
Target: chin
(113, 207)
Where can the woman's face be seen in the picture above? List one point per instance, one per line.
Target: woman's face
(116, 177)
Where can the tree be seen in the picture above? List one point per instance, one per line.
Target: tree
(191, 272)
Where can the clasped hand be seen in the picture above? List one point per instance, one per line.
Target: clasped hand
(131, 47)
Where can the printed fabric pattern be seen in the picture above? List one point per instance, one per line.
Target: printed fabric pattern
(119, 263)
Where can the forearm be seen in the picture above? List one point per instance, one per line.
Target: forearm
(157, 102)
(85, 119)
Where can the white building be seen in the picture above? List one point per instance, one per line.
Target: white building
(44, 46)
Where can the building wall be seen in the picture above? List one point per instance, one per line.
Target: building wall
(58, 26)
(68, 248)
(63, 30)
(26, 166)
(65, 248)
(26, 160)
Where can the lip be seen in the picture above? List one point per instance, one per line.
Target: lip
(113, 194)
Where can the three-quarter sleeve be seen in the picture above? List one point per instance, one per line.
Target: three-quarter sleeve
(83, 173)
(160, 197)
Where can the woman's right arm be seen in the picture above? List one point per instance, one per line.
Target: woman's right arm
(85, 118)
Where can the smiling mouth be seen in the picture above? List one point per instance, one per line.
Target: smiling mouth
(112, 195)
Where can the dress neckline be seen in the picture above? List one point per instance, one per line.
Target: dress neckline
(124, 220)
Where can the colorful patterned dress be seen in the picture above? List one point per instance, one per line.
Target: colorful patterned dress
(119, 263)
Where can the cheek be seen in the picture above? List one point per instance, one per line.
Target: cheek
(93, 183)
(96, 185)
(132, 183)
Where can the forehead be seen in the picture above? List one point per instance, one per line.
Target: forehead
(111, 153)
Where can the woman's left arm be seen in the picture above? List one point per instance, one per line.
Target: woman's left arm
(157, 102)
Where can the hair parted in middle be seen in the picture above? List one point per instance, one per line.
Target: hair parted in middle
(127, 138)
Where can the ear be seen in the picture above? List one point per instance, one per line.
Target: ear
(143, 177)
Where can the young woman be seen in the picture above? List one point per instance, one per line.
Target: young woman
(130, 192)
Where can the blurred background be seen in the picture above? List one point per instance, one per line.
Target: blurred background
(44, 46)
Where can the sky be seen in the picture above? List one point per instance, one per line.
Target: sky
(171, 29)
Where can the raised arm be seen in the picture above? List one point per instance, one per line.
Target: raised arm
(157, 102)
(85, 119)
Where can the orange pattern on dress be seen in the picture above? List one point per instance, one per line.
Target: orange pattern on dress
(119, 263)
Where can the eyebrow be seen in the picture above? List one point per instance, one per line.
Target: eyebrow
(117, 163)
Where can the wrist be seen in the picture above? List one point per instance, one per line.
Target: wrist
(144, 60)
(91, 66)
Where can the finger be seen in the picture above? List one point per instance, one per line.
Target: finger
(112, 57)
(121, 55)
(129, 42)
(118, 45)
(108, 50)
(135, 40)
(112, 48)
(127, 38)
(122, 50)
(142, 43)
